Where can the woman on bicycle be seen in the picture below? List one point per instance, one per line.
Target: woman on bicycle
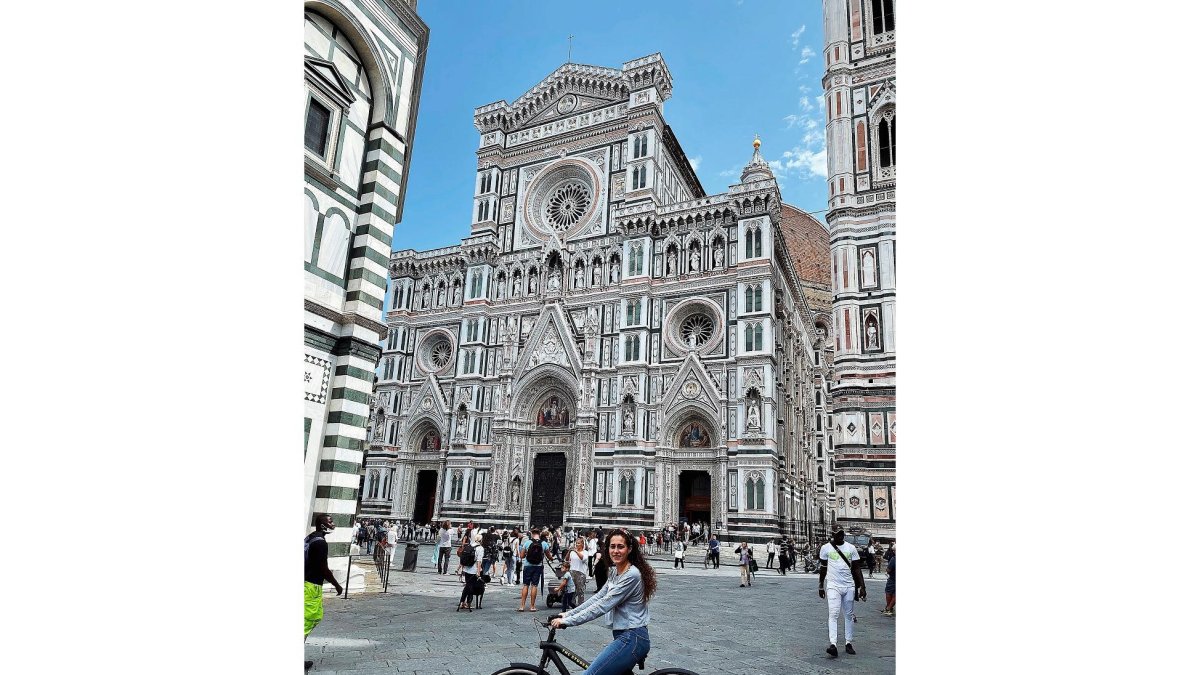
(630, 585)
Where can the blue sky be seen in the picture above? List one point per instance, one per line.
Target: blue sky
(739, 67)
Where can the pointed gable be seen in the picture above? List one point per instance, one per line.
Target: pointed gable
(550, 341)
(428, 401)
(691, 386)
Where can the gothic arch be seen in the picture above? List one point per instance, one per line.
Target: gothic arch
(419, 427)
(685, 414)
(538, 383)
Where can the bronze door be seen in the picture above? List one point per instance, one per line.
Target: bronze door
(549, 484)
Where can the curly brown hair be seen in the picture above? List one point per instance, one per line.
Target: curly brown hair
(649, 580)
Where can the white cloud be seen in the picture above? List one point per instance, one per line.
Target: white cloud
(802, 162)
(792, 120)
(806, 54)
(695, 162)
(796, 37)
(735, 171)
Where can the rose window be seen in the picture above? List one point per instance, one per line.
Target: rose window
(697, 329)
(567, 205)
(439, 353)
(436, 353)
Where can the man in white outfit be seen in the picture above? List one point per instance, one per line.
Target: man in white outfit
(840, 584)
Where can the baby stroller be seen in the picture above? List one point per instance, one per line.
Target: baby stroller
(552, 597)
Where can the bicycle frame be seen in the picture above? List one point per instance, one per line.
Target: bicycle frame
(551, 650)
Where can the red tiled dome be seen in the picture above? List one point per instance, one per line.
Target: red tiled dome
(807, 241)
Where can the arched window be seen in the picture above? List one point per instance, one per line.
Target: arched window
(755, 493)
(625, 489)
(749, 338)
(456, 486)
(883, 15)
(373, 485)
(887, 141)
(753, 242)
(335, 238)
(387, 484)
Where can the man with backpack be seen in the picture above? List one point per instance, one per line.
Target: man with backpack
(533, 553)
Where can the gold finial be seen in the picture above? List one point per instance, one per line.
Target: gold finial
(756, 142)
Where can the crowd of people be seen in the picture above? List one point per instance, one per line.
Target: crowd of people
(578, 559)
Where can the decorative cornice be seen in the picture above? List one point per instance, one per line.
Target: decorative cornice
(344, 319)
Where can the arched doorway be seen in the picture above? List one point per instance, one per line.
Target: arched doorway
(549, 486)
(695, 496)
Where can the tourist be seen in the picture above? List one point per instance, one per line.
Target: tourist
(771, 554)
(577, 566)
(566, 587)
(680, 549)
(889, 588)
(623, 606)
(316, 573)
(868, 558)
(841, 564)
(393, 538)
(743, 554)
(511, 542)
(714, 550)
(533, 553)
(443, 544)
(470, 561)
(591, 551)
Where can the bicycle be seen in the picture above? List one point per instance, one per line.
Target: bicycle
(551, 652)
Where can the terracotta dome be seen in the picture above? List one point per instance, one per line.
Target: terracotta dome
(808, 243)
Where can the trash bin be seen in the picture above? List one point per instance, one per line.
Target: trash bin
(410, 557)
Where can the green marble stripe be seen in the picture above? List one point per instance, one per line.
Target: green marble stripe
(379, 143)
(339, 466)
(370, 254)
(331, 492)
(365, 298)
(368, 275)
(383, 168)
(344, 442)
(317, 271)
(342, 199)
(355, 395)
(374, 207)
(373, 232)
(377, 188)
(367, 376)
(350, 419)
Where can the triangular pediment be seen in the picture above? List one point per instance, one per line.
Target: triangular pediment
(428, 401)
(566, 105)
(883, 97)
(552, 341)
(691, 386)
(325, 77)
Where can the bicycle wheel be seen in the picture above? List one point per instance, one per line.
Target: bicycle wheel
(521, 669)
(674, 671)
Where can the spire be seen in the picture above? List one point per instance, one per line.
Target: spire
(757, 169)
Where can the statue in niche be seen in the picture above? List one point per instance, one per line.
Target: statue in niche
(627, 425)
(514, 496)
(379, 430)
(579, 276)
(671, 263)
(460, 431)
(425, 298)
(595, 275)
(694, 260)
(501, 289)
(719, 255)
(516, 286)
(872, 335)
(441, 296)
(457, 295)
(533, 284)
(614, 272)
(752, 421)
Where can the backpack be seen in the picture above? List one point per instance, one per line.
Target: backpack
(468, 556)
(535, 554)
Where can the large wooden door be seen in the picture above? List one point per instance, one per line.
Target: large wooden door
(549, 486)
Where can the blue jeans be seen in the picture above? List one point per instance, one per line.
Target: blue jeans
(622, 654)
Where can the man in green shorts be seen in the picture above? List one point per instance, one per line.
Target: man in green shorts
(316, 573)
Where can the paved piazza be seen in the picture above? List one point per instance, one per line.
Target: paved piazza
(701, 620)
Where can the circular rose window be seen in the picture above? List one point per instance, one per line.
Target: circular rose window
(567, 205)
(562, 201)
(697, 329)
(436, 353)
(693, 324)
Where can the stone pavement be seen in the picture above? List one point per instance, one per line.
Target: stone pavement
(700, 619)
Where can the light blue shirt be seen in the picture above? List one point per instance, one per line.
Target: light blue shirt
(620, 602)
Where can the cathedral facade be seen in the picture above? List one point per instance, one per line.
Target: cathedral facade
(860, 95)
(610, 345)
